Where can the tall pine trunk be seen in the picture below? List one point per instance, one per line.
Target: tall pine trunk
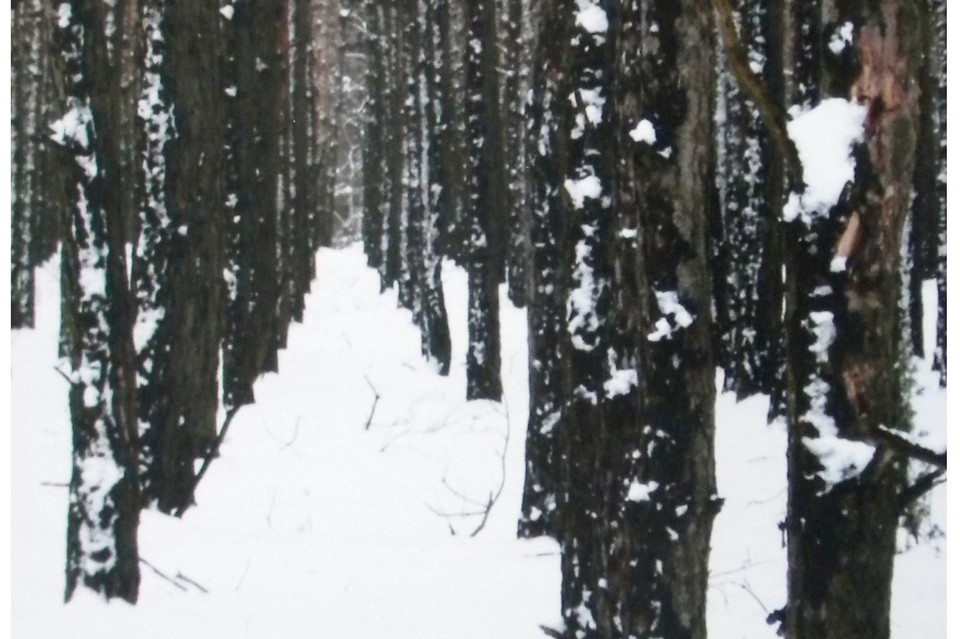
(847, 371)
(104, 495)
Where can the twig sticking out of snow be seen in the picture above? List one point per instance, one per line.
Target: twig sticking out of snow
(376, 398)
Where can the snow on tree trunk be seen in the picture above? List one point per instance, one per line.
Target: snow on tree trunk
(516, 68)
(667, 496)
(939, 14)
(848, 378)
(104, 498)
(749, 306)
(373, 139)
(483, 310)
(27, 99)
(546, 307)
(434, 325)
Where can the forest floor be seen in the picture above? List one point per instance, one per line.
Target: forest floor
(344, 500)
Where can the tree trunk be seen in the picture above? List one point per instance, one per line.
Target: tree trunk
(665, 124)
(104, 496)
(483, 267)
(847, 373)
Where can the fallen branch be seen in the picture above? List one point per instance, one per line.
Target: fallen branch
(183, 577)
(214, 451)
(162, 575)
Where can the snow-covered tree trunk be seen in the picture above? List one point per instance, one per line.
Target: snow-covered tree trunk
(104, 496)
(178, 259)
(546, 305)
(393, 124)
(452, 169)
(483, 310)
(373, 139)
(848, 377)
(302, 187)
(589, 600)
(667, 493)
(750, 182)
(413, 204)
(939, 15)
(515, 68)
(27, 99)
(434, 326)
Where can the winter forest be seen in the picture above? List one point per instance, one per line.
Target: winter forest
(584, 319)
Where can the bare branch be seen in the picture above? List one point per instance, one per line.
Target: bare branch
(921, 487)
(899, 444)
(376, 398)
(214, 451)
(772, 114)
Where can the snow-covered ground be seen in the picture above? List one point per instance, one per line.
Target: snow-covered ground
(310, 525)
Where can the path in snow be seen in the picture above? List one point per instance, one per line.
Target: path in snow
(309, 526)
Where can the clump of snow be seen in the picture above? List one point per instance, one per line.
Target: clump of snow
(824, 137)
(591, 17)
(841, 458)
(644, 133)
(841, 38)
(620, 382)
(583, 188)
(639, 491)
(582, 300)
(675, 316)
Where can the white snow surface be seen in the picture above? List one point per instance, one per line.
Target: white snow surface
(824, 136)
(309, 526)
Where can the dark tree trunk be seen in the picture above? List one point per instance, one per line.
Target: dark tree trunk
(433, 324)
(515, 66)
(303, 190)
(255, 79)
(484, 264)
(104, 496)
(666, 188)
(373, 143)
(847, 373)
(546, 304)
(939, 15)
(26, 103)
(751, 189)
(179, 256)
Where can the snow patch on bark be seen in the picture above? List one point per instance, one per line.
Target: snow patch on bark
(824, 137)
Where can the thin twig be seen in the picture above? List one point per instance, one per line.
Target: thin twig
(214, 451)
(296, 431)
(183, 577)
(55, 484)
(64, 375)
(162, 575)
(373, 409)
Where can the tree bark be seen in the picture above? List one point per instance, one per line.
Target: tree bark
(104, 497)
(847, 372)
